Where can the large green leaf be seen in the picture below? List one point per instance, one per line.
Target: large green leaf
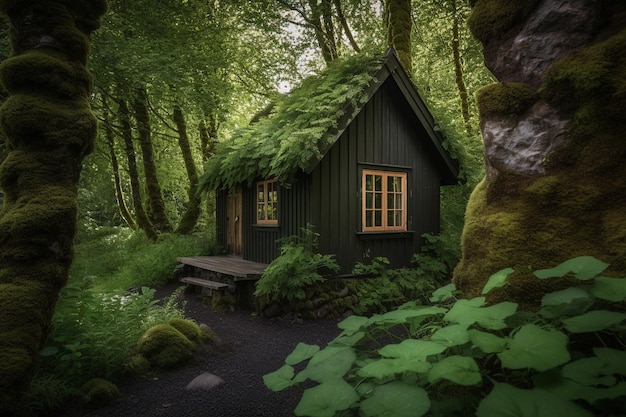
(301, 353)
(396, 399)
(345, 339)
(353, 324)
(593, 321)
(615, 360)
(565, 296)
(412, 349)
(452, 335)
(329, 363)
(588, 371)
(583, 267)
(443, 293)
(487, 342)
(533, 347)
(611, 289)
(508, 401)
(461, 370)
(567, 389)
(386, 367)
(497, 280)
(326, 399)
(468, 312)
(280, 379)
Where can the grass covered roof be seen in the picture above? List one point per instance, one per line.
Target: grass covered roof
(299, 130)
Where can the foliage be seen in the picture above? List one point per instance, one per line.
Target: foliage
(297, 266)
(119, 259)
(437, 258)
(301, 128)
(460, 356)
(388, 288)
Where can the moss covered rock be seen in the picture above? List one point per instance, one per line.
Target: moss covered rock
(165, 347)
(555, 148)
(190, 329)
(99, 393)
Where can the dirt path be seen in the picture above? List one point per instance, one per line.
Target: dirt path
(254, 347)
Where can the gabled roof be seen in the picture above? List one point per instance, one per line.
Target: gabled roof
(304, 124)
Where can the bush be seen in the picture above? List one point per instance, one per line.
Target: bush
(462, 357)
(297, 267)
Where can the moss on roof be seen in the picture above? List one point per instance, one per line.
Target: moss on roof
(302, 126)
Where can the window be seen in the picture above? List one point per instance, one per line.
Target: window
(384, 201)
(267, 202)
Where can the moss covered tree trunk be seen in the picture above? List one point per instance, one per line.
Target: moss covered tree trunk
(49, 128)
(555, 142)
(399, 24)
(156, 205)
(190, 216)
(135, 187)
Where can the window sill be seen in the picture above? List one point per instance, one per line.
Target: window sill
(403, 234)
(265, 226)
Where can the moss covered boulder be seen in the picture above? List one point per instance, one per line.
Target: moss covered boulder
(555, 144)
(99, 393)
(164, 346)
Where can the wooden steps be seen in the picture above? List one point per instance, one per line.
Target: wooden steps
(205, 283)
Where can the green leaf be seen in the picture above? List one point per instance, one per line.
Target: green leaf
(329, 363)
(566, 389)
(301, 353)
(401, 316)
(49, 351)
(326, 399)
(583, 267)
(412, 349)
(497, 280)
(468, 312)
(396, 399)
(615, 360)
(452, 335)
(347, 339)
(593, 321)
(353, 324)
(443, 293)
(611, 289)
(461, 370)
(565, 296)
(279, 379)
(533, 347)
(383, 368)
(487, 342)
(508, 401)
(588, 371)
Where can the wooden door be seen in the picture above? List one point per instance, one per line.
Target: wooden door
(233, 232)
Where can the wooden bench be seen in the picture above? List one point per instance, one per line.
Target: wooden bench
(205, 284)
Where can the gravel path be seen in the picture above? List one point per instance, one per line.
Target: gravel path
(253, 346)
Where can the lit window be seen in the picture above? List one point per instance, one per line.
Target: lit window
(267, 202)
(384, 201)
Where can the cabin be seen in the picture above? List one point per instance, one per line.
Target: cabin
(353, 152)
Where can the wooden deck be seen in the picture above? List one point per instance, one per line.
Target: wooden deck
(235, 266)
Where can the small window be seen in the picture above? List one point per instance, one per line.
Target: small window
(267, 202)
(384, 201)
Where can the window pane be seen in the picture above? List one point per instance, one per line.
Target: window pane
(378, 201)
(390, 218)
(398, 218)
(260, 193)
(398, 204)
(369, 200)
(390, 201)
(378, 184)
(368, 219)
(378, 218)
(260, 212)
(369, 180)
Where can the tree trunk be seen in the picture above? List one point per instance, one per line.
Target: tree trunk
(127, 135)
(344, 25)
(190, 216)
(117, 182)
(458, 70)
(324, 30)
(553, 131)
(399, 25)
(49, 128)
(156, 205)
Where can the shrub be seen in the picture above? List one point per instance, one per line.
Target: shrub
(164, 346)
(99, 392)
(462, 357)
(297, 267)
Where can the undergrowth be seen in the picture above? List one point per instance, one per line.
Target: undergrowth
(458, 357)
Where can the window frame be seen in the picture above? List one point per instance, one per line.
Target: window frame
(385, 210)
(267, 201)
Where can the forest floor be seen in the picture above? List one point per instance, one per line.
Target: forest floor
(249, 348)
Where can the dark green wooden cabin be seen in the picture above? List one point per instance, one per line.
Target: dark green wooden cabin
(369, 184)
